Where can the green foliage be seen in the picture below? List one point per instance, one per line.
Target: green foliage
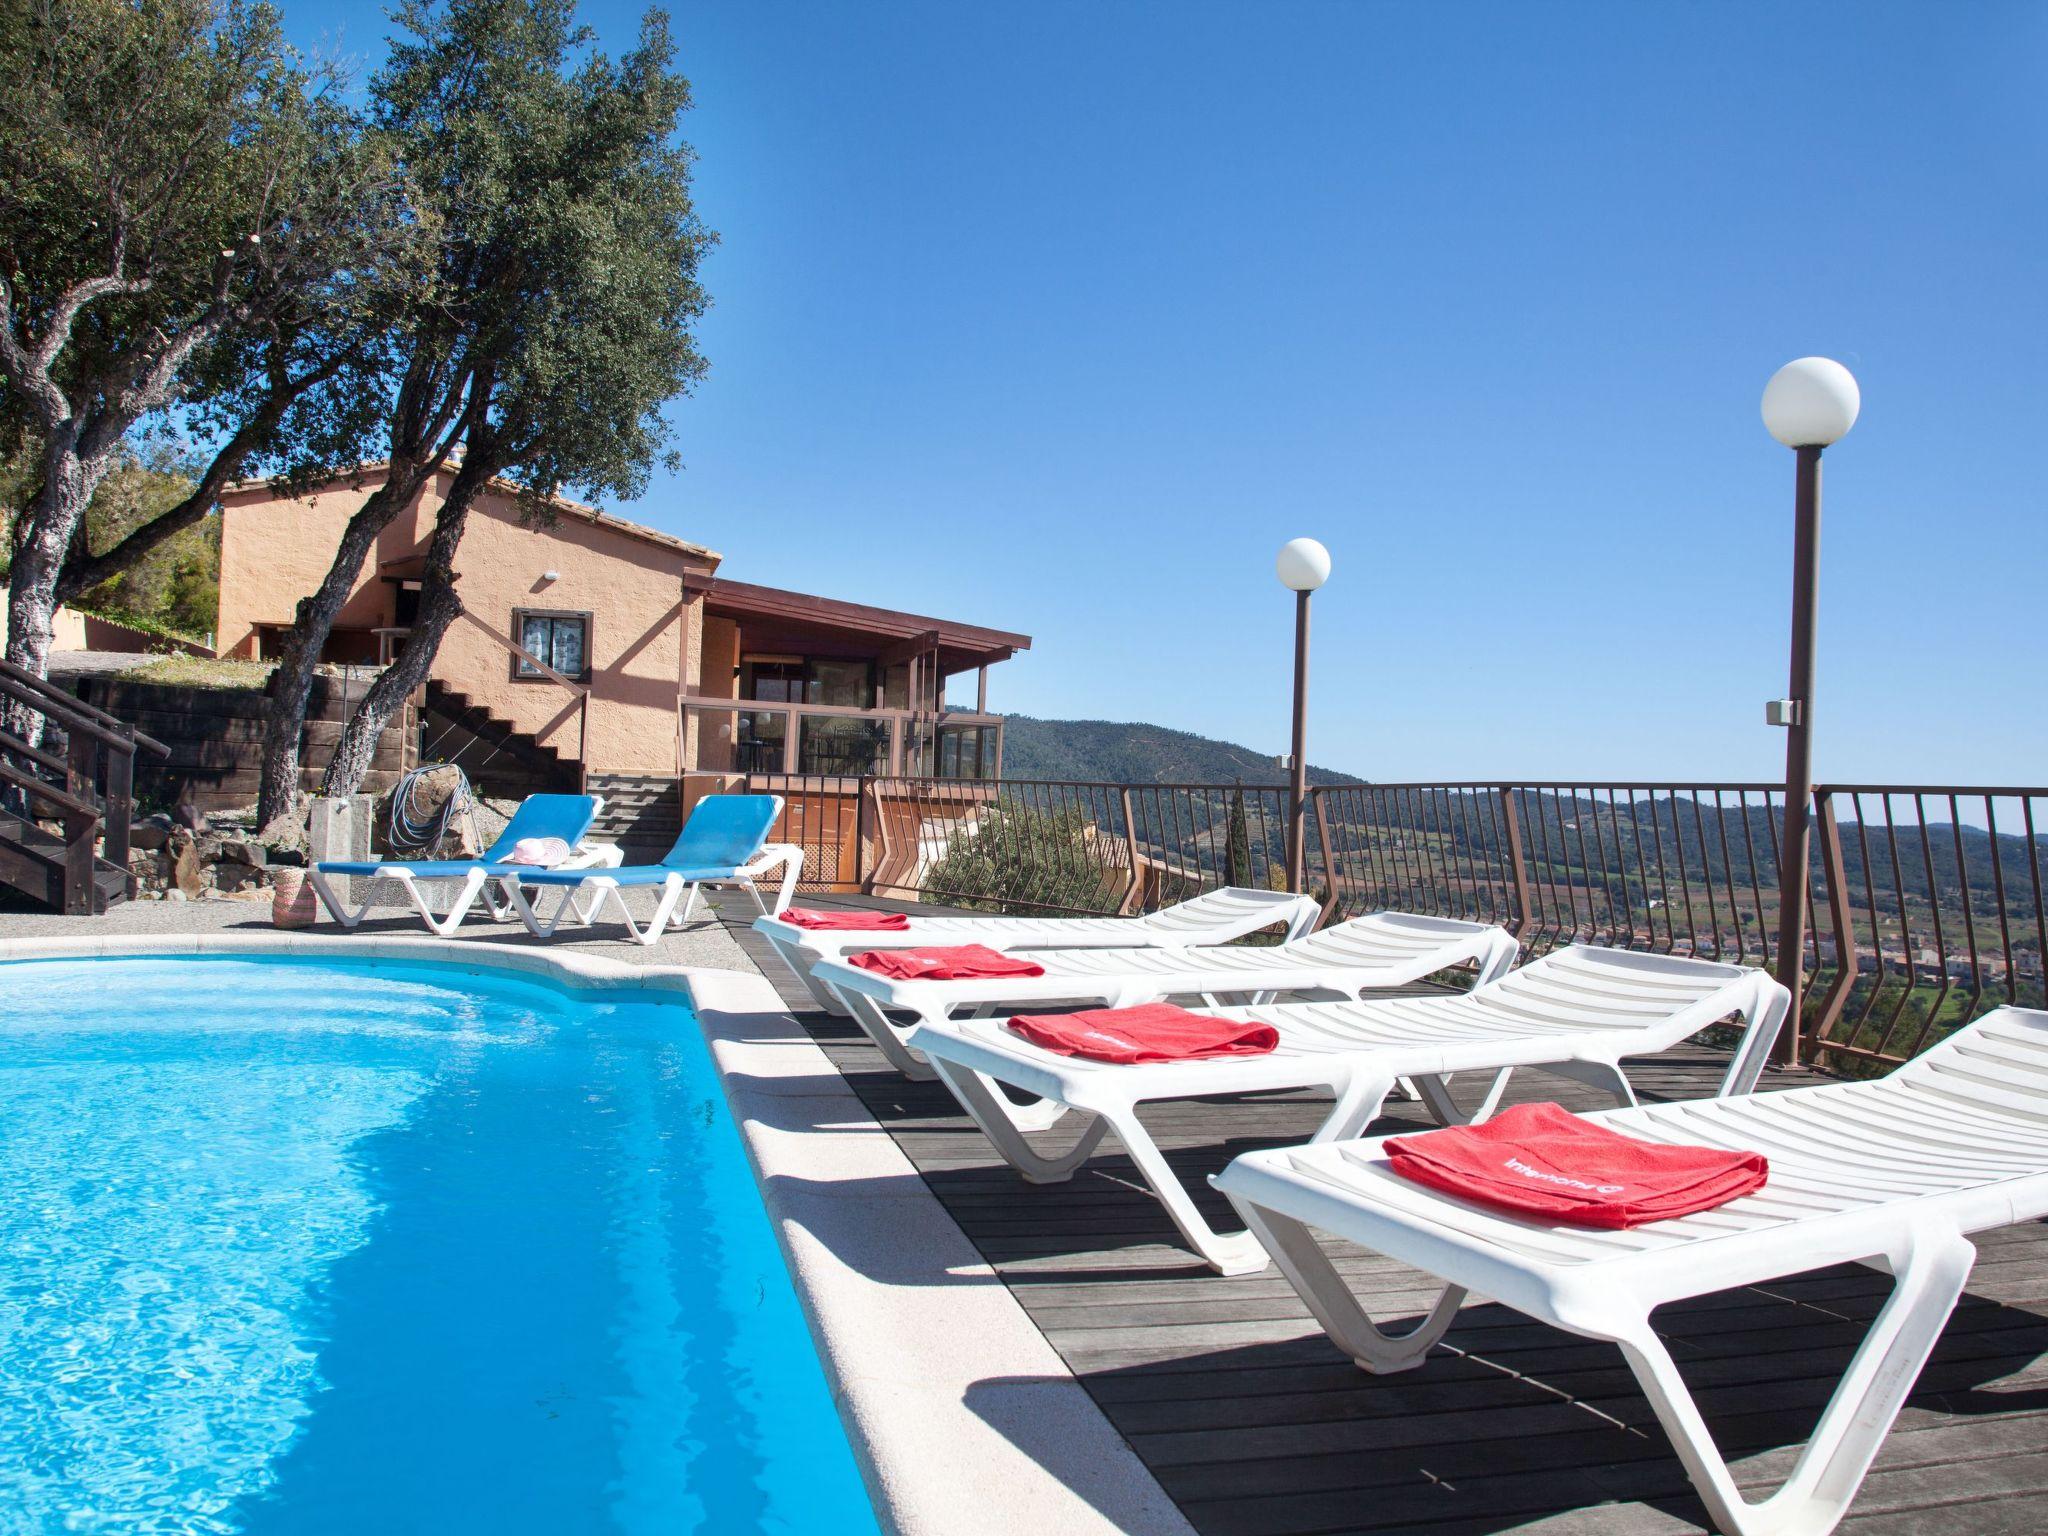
(184, 160)
(1021, 860)
(566, 282)
(172, 589)
(196, 227)
(1237, 844)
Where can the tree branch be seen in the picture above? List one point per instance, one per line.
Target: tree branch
(64, 313)
(30, 382)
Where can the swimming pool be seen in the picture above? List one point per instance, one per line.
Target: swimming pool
(294, 1244)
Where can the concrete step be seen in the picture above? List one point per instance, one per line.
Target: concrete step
(501, 761)
(642, 813)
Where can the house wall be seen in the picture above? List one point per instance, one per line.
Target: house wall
(712, 734)
(67, 625)
(642, 634)
(721, 658)
(639, 635)
(71, 630)
(274, 552)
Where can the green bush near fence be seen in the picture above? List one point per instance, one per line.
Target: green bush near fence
(1021, 861)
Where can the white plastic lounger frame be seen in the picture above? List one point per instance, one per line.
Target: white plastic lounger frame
(474, 882)
(1380, 950)
(678, 886)
(1216, 917)
(1577, 1012)
(1896, 1172)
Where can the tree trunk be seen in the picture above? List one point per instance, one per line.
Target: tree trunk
(291, 684)
(439, 607)
(43, 540)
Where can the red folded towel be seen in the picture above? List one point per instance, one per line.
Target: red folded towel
(852, 921)
(1538, 1160)
(1153, 1032)
(952, 962)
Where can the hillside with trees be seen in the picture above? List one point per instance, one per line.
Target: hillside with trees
(1113, 751)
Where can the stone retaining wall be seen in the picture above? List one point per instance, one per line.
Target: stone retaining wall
(216, 738)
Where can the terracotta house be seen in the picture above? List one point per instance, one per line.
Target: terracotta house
(597, 650)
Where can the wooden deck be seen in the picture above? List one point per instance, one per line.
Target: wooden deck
(1257, 1427)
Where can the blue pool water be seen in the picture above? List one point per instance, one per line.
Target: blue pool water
(306, 1246)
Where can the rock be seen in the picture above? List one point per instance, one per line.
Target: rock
(149, 834)
(284, 832)
(239, 852)
(187, 873)
(290, 858)
(174, 894)
(229, 879)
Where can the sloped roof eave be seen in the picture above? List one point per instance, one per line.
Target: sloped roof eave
(562, 504)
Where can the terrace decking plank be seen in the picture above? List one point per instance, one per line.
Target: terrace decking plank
(1257, 1427)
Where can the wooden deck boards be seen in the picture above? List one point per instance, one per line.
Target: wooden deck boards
(1257, 1427)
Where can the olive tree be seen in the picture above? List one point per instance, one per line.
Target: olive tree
(194, 224)
(560, 321)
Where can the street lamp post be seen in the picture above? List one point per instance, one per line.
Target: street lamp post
(1303, 566)
(1809, 404)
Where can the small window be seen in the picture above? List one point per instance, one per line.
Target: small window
(562, 640)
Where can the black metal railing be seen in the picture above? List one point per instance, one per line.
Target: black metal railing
(1679, 868)
(1924, 903)
(1931, 914)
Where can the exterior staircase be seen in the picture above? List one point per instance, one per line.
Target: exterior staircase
(502, 761)
(642, 813)
(67, 802)
(35, 863)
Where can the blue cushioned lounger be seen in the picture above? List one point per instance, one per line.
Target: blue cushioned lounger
(723, 843)
(565, 816)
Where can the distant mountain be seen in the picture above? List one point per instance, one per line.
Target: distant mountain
(1114, 751)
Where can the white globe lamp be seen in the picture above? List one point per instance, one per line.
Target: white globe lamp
(1303, 566)
(1811, 402)
(1809, 405)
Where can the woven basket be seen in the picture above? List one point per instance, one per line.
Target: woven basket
(293, 905)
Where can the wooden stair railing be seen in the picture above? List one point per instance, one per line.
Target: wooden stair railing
(89, 792)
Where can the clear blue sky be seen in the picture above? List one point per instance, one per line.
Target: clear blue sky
(1062, 316)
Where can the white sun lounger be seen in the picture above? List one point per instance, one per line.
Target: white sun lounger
(1896, 1172)
(1216, 917)
(1577, 1012)
(1380, 950)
